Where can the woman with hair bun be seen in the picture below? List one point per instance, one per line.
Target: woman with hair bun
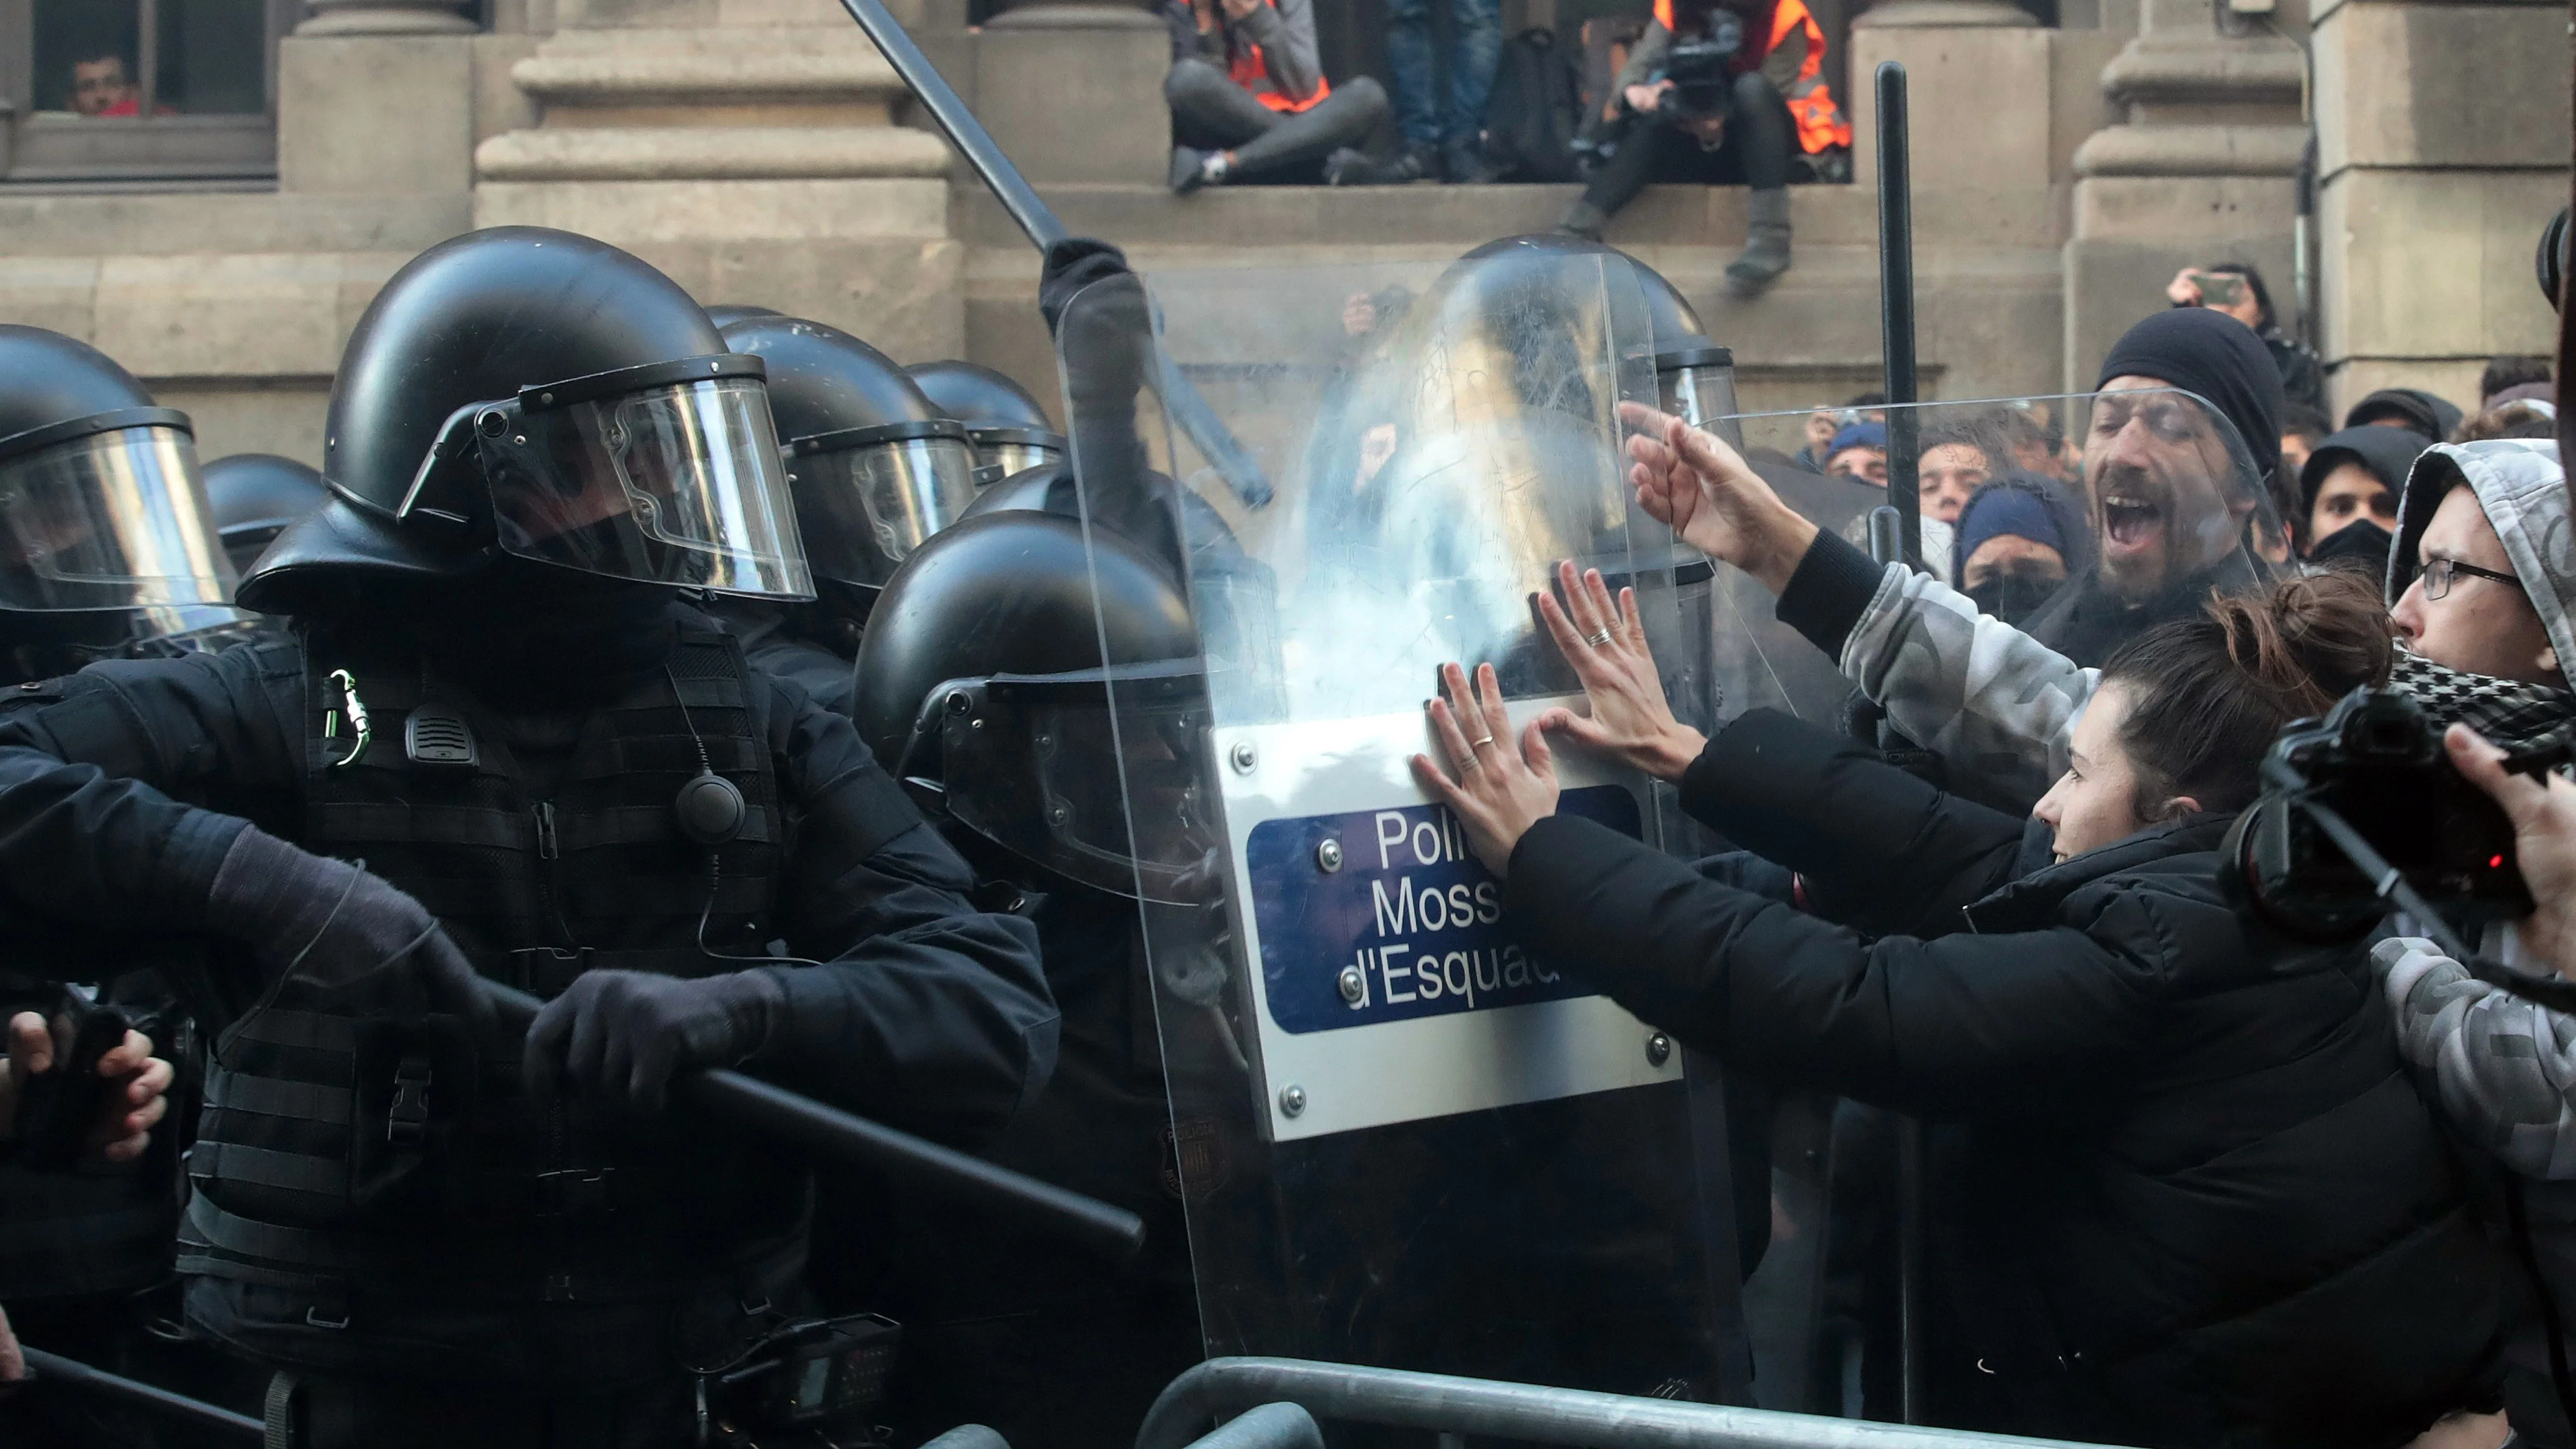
(2183, 1193)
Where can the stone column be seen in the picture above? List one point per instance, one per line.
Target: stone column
(749, 148)
(1074, 92)
(2442, 134)
(386, 17)
(2202, 167)
(1940, 14)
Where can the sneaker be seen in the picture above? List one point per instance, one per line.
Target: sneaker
(1346, 167)
(1406, 166)
(1189, 171)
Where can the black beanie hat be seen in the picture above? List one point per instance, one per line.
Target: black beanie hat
(2219, 359)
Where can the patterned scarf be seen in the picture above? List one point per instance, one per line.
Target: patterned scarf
(2508, 712)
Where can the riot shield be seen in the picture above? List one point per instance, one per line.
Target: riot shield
(1399, 1140)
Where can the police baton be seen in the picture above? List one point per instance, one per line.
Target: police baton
(46, 1369)
(1181, 402)
(827, 1131)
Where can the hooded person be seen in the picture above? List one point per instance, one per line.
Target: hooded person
(2480, 578)
(2348, 495)
(2018, 539)
(2411, 408)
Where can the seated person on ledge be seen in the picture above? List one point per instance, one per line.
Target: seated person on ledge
(1248, 94)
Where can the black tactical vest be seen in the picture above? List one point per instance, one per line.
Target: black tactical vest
(357, 1154)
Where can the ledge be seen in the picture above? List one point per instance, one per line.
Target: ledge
(2203, 70)
(2191, 151)
(712, 153)
(752, 67)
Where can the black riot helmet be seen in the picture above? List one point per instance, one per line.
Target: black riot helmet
(107, 546)
(255, 496)
(540, 394)
(982, 685)
(725, 314)
(1008, 426)
(874, 468)
(1694, 376)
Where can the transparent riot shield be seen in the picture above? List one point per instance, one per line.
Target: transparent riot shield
(1400, 1140)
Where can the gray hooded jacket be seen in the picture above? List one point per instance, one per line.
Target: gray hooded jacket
(1998, 706)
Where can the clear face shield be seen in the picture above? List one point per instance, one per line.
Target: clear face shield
(867, 497)
(109, 513)
(664, 474)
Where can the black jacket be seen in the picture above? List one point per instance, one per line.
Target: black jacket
(2183, 1193)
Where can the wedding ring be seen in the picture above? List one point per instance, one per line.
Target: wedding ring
(1597, 640)
(1480, 743)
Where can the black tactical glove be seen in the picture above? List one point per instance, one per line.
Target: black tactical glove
(335, 929)
(1071, 265)
(618, 1037)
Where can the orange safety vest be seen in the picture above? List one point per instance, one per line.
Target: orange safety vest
(1251, 71)
(1821, 123)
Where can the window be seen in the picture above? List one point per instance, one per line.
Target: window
(139, 90)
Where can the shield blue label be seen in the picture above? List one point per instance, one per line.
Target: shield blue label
(1410, 924)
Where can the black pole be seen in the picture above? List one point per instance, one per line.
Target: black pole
(1896, 305)
(1181, 401)
(1896, 332)
(1113, 1232)
(51, 1368)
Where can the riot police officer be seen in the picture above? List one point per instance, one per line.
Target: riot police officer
(106, 551)
(1008, 426)
(980, 685)
(559, 775)
(874, 469)
(254, 497)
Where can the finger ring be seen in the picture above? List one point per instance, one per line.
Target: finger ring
(1597, 640)
(1480, 742)
(1470, 763)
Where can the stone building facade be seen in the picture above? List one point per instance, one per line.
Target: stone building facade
(222, 236)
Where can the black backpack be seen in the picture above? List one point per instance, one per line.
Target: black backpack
(1534, 110)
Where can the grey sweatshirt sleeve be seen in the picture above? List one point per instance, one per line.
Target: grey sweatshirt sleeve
(2502, 1068)
(1993, 702)
(1285, 31)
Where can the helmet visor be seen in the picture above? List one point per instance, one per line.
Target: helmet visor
(863, 510)
(677, 484)
(113, 520)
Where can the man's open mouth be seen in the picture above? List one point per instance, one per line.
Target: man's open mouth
(2130, 523)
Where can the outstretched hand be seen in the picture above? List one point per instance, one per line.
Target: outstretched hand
(2543, 813)
(1692, 482)
(1631, 721)
(1500, 791)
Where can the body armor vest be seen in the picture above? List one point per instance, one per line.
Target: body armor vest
(385, 1153)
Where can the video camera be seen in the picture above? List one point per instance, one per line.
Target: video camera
(1697, 67)
(2363, 813)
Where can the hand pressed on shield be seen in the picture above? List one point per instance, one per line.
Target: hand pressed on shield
(1499, 791)
(2543, 812)
(1691, 481)
(136, 1100)
(1631, 721)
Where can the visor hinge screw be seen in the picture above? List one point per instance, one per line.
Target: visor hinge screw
(1353, 985)
(1292, 1100)
(1659, 1049)
(1243, 756)
(1055, 815)
(1329, 856)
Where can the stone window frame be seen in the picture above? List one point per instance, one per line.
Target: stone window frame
(52, 149)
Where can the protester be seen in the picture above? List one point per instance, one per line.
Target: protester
(1824, 423)
(1716, 93)
(2512, 418)
(2236, 290)
(2512, 378)
(2347, 501)
(101, 87)
(1859, 451)
(2302, 428)
(2411, 408)
(1248, 94)
(2165, 1147)
(1951, 465)
(2018, 539)
(2502, 1068)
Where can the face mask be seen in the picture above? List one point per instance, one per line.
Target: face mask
(2015, 594)
(532, 632)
